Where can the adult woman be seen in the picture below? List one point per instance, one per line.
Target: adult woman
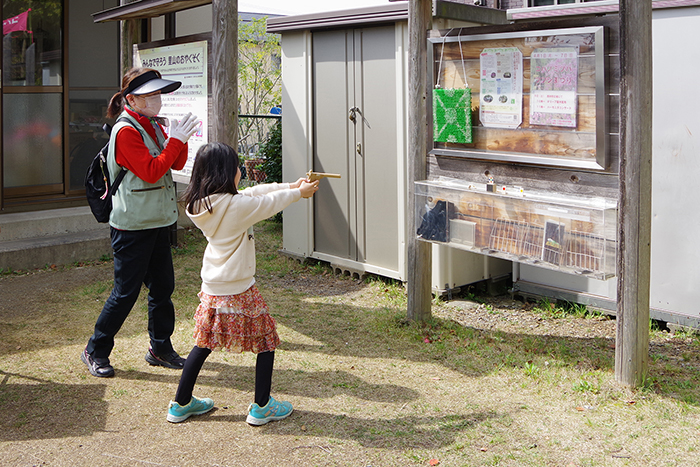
(144, 208)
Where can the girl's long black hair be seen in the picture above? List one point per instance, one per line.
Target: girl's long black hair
(214, 171)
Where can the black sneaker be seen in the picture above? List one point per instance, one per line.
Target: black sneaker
(99, 367)
(171, 360)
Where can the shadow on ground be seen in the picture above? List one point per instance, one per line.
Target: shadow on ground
(36, 409)
(399, 433)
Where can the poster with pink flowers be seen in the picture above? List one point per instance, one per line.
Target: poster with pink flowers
(554, 80)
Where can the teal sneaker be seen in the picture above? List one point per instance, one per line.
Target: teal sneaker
(178, 413)
(274, 410)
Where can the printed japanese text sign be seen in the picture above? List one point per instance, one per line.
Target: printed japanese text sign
(501, 98)
(16, 23)
(554, 80)
(186, 63)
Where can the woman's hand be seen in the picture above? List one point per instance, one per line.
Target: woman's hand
(308, 189)
(184, 128)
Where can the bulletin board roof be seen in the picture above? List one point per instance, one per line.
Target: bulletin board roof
(599, 7)
(146, 9)
(395, 11)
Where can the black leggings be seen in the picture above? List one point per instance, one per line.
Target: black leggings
(263, 375)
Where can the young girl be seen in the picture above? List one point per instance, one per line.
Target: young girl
(232, 314)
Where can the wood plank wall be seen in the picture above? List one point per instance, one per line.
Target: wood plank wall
(572, 144)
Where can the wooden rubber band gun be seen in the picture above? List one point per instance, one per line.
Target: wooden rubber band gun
(313, 176)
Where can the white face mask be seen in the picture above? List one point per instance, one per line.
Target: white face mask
(152, 105)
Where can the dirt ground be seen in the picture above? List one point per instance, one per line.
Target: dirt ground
(17, 292)
(359, 400)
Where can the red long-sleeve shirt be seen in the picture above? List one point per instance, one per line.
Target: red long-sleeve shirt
(132, 153)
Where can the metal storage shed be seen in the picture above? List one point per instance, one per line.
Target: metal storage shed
(344, 78)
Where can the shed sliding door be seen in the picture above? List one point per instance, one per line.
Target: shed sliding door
(355, 128)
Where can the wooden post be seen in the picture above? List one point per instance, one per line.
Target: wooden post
(634, 236)
(419, 265)
(224, 80)
(130, 34)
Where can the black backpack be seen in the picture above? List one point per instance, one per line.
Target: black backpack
(97, 187)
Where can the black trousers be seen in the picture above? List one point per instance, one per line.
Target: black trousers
(263, 375)
(140, 257)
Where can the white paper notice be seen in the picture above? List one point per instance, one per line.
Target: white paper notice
(554, 80)
(501, 97)
(186, 63)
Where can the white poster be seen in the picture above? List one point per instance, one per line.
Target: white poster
(501, 97)
(186, 63)
(554, 80)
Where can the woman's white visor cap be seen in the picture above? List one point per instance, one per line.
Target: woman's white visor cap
(150, 82)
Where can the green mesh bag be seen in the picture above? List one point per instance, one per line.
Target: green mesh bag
(452, 115)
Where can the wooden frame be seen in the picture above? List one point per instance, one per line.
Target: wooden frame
(584, 147)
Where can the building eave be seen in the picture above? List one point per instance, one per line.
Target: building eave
(393, 12)
(146, 9)
(601, 7)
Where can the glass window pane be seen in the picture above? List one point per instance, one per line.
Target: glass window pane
(542, 2)
(94, 78)
(32, 42)
(93, 63)
(32, 139)
(86, 137)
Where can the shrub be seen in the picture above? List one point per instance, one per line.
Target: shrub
(271, 152)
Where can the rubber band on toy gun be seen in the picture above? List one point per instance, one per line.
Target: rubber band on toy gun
(313, 176)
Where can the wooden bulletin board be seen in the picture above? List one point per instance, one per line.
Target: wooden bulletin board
(537, 96)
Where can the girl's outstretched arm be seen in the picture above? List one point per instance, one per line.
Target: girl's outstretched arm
(264, 188)
(297, 184)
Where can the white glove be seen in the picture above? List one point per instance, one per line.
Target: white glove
(185, 128)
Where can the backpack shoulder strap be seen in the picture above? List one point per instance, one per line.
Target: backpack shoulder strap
(120, 176)
(133, 123)
(128, 121)
(117, 181)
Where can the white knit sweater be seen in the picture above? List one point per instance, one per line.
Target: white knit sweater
(228, 266)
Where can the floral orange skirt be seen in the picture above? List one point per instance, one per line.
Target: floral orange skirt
(236, 323)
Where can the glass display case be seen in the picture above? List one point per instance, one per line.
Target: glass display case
(574, 234)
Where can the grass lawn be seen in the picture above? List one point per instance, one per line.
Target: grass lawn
(487, 382)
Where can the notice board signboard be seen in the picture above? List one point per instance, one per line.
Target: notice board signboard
(186, 62)
(538, 96)
(501, 86)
